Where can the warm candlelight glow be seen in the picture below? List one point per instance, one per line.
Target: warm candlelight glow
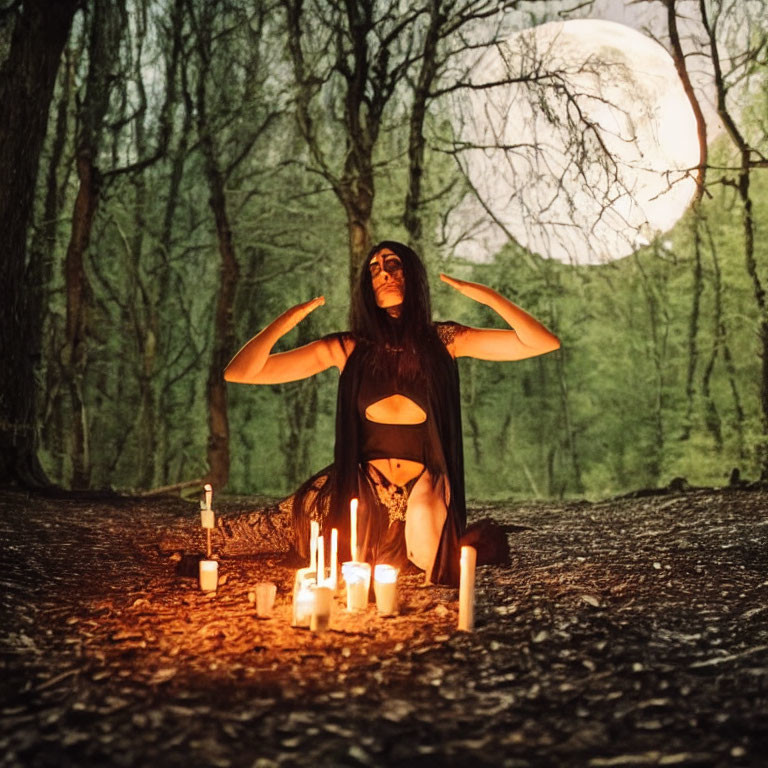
(467, 589)
(353, 529)
(209, 575)
(385, 589)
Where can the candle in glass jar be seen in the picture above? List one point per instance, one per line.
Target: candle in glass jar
(209, 575)
(321, 609)
(303, 596)
(385, 589)
(358, 580)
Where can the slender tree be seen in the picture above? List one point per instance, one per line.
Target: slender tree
(27, 77)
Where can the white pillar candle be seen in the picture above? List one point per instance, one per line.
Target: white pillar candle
(321, 609)
(209, 575)
(208, 495)
(353, 529)
(334, 580)
(385, 589)
(358, 580)
(314, 532)
(320, 560)
(467, 589)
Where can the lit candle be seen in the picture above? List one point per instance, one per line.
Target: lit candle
(209, 575)
(207, 518)
(334, 579)
(320, 560)
(314, 532)
(303, 597)
(321, 609)
(353, 529)
(467, 589)
(385, 589)
(358, 580)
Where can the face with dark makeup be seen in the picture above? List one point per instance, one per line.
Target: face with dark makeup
(387, 279)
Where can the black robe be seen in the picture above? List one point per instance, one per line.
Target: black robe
(443, 453)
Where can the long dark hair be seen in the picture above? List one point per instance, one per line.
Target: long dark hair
(377, 330)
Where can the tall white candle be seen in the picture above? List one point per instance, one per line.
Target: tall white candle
(320, 560)
(467, 589)
(314, 532)
(208, 495)
(353, 529)
(334, 580)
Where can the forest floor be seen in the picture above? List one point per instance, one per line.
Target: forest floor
(629, 632)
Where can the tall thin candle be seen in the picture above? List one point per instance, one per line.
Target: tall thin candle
(334, 559)
(353, 528)
(208, 495)
(467, 589)
(314, 532)
(320, 560)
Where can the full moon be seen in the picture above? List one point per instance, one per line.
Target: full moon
(579, 142)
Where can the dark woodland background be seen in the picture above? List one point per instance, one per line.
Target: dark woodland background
(176, 173)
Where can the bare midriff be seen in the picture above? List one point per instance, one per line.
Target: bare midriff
(396, 409)
(397, 471)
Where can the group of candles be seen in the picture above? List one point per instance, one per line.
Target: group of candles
(315, 586)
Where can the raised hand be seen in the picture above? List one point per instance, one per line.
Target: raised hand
(293, 316)
(475, 291)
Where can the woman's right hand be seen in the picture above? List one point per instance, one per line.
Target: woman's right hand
(256, 364)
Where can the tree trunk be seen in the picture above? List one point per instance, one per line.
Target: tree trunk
(103, 46)
(27, 80)
(224, 327)
(412, 213)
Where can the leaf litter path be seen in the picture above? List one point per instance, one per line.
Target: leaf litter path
(630, 632)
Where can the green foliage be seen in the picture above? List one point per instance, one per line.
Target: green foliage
(605, 414)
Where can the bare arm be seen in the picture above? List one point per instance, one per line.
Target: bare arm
(527, 337)
(255, 363)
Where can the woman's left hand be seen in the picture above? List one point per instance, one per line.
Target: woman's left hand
(475, 291)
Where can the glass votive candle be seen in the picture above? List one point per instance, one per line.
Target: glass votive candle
(321, 609)
(209, 575)
(385, 589)
(358, 580)
(265, 598)
(303, 597)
